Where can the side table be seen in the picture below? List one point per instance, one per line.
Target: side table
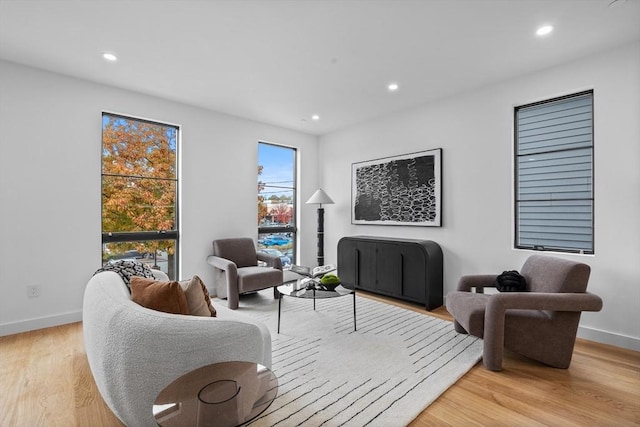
(299, 288)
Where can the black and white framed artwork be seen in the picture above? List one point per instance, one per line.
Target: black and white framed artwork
(398, 190)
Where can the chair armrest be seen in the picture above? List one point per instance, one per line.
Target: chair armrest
(271, 260)
(545, 301)
(497, 306)
(478, 281)
(222, 263)
(229, 286)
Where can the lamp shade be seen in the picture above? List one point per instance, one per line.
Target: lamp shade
(320, 197)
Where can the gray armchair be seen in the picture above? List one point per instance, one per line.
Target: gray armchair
(237, 271)
(541, 324)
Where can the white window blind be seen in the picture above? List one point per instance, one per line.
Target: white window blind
(554, 174)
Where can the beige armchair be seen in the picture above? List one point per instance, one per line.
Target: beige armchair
(541, 324)
(237, 271)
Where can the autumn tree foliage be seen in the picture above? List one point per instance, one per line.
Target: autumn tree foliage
(262, 208)
(138, 179)
(282, 213)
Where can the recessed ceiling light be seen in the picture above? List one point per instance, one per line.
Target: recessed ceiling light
(393, 87)
(315, 117)
(109, 56)
(544, 30)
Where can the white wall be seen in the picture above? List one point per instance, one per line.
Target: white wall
(50, 139)
(50, 183)
(475, 132)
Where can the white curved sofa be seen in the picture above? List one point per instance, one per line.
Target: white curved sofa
(135, 352)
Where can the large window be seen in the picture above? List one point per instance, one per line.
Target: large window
(554, 174)
(140, 192)
(277, 201)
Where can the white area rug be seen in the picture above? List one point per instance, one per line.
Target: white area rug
(384, 374)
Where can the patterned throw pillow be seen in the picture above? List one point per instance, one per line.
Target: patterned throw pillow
(127, 268)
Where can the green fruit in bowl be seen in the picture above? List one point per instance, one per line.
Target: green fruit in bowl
(330, 282)
(330, 279)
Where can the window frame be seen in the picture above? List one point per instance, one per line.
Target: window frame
(516, 176)
(139, 236)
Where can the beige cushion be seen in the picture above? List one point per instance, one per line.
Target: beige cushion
(160, 296)
(197, 297)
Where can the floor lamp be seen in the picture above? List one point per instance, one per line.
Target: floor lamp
(320, 198)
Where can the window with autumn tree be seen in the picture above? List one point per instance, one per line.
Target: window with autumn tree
(140, 192)
(277, 201)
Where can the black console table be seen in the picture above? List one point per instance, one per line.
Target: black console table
(406, 269)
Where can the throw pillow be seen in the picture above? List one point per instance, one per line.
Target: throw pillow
(160, 296)
(511, 281)
(127, 268)
(198, 298)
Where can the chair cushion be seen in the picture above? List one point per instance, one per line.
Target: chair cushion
(468, 309)
(256, 278)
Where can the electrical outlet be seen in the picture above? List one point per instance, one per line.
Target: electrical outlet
(33, 291)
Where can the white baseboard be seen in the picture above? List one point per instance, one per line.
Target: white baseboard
(610, 338)
(40, 323)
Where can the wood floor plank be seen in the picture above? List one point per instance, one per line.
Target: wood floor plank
(45, 380)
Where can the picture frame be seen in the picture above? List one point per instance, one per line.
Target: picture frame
(398, 190)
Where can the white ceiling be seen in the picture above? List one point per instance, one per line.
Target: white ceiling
(280, 62)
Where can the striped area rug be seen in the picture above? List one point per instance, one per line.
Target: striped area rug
(384, 374)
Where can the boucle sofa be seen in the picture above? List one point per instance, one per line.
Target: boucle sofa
(135, 352)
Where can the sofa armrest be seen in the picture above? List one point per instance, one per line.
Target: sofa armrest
(271, 260)
(478, 281)
(159, 354)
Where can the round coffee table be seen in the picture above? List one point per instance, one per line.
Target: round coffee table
(223, 394)
(304, 287)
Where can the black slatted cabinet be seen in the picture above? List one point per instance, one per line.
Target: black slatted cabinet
(407, 269)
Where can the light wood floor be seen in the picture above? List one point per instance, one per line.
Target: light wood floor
(45, 381)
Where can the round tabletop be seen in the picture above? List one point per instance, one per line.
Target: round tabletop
(306, 287)
(222, 394)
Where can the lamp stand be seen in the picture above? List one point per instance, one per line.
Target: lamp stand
(320, 198)
(320, 236)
